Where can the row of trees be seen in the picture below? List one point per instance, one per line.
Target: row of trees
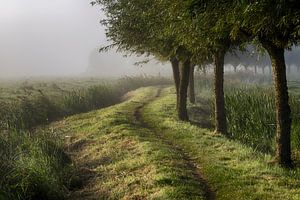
(199, 32)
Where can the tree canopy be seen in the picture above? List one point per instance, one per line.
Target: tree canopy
(198, 31)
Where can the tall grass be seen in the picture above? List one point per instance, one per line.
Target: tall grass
(28, 111)
(251, 112)
(33, 164)
(251, 117)
(33, 167)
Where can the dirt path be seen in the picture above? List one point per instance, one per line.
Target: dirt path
(97, 155)
(191, 165)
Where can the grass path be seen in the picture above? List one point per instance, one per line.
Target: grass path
(118, 156)
(189, 163)
(233, 170)
(139, 150)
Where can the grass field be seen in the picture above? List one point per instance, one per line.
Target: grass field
(33, 162)
(25, 104)
(139, 150)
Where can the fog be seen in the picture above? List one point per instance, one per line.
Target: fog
(57, 38)
(251, 57)
(62, 38)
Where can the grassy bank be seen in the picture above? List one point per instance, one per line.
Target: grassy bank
(118, 157)
(234, 170)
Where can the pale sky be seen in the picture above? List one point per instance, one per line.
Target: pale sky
(48, 37)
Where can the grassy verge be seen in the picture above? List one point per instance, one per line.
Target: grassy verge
(120, 158)
(234, 170)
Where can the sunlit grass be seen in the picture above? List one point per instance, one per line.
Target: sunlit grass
(127, 160)
(234, 170)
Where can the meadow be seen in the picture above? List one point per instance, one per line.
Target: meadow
(25, 104)
(33, 163)
(55, 136)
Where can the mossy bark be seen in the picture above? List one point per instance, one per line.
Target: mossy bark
(283, 111)
(220, 113)
(183, 89)
(191, 91)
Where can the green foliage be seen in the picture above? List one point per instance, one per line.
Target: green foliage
(265, 21)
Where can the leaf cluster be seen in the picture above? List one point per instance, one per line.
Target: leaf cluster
(196, 29)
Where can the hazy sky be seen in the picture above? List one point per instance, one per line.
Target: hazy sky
(48, 37)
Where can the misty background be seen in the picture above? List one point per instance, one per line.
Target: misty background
(59, 38)
(62, 38)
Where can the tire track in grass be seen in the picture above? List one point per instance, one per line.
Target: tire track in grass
(119, 156)
(190, 164)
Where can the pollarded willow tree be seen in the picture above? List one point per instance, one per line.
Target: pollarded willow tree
(138, 26)
(149, 26)
(211, 32)
(276, 26)
(194, 31)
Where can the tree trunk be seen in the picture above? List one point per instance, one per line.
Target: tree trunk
(283, 111)
(192, 85)
(220, 114)
(255, 69)
(183, 87)
(175, 68)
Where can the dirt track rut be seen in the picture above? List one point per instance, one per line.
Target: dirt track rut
(209, 192)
